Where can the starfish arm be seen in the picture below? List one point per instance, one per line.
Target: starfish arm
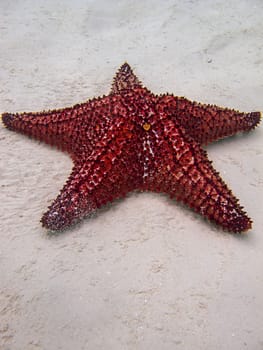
(64, 128)
(184, 172)
(47, 126)
(110, 171)
(210, 197)
(208, 123)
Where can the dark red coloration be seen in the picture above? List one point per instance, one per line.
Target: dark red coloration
(135, 140)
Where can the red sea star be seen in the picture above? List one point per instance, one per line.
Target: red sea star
(135, 140)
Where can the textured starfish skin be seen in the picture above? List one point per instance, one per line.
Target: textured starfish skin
(135, 140)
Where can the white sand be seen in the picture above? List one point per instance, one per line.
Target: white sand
(145, 273)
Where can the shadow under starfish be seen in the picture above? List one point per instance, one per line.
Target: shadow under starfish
(131, 140)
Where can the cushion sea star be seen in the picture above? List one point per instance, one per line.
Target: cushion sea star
(135, 140)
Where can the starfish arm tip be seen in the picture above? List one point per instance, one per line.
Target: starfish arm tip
(125, 66)
(241, 225)
(52, 222)
(253, 119)
(7, 119)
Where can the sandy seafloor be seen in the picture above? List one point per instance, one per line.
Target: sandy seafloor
(145, 272)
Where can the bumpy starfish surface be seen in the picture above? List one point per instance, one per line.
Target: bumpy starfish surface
(135, 140)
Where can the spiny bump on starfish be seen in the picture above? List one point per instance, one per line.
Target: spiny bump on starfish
(135, 140)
